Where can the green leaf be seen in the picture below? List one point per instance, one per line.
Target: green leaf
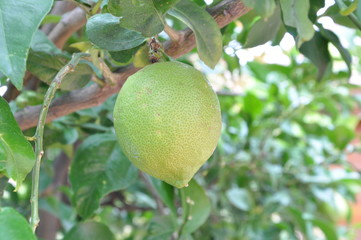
(264, 30)
(196, 207)
(124, 56)
(14, 226)
(295, 14)
(141, 16)
(99, 167)
(240, 198)
(161, 227)
(332, 37)
(253, 105)
(341, 136)
(264, 8)
(317, 51)
(17, 157)
(326, 228)
(89, 231)
(19, 20)
(45, 66)
(166, 192)
(105, 31)
(207, 33)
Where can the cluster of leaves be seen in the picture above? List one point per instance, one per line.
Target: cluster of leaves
(269, 178)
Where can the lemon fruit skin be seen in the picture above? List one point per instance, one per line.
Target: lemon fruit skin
(168, 121)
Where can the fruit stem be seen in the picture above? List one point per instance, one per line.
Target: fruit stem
(39, 133)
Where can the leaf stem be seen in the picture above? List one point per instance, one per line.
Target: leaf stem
(39, 133)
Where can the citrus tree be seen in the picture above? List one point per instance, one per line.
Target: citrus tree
(135, 166)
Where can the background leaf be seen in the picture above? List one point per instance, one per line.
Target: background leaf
(24, 17)
(90, 231)
(16, 153)
(105, 31)
(240, 198)
(196, 207)
(208, 36)
(98, 168)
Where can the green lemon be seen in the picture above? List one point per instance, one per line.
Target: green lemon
(168, 121)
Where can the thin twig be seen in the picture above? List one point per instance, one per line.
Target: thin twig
(39, 152)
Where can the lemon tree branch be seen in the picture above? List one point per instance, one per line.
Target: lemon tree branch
(223, 13)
